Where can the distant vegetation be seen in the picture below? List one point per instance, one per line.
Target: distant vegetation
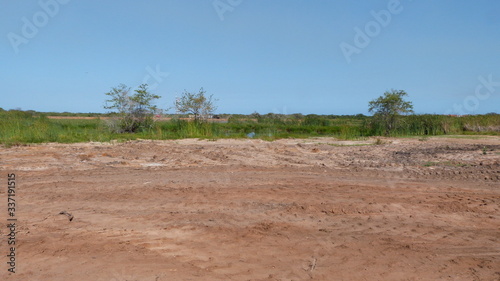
(21, 127)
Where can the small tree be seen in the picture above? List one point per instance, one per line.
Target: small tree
(198, 104)
(135, 112)
(389, 107)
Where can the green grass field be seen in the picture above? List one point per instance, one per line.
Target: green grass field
(19, 127)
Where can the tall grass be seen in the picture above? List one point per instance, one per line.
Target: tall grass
(428, 124)
(18, 127)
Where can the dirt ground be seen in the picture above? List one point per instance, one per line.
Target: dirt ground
(294, 209)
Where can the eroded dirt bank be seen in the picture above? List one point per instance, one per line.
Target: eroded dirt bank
(316, 209)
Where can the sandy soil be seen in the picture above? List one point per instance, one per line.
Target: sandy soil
(315, 209)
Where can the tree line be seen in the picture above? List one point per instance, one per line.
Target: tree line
(136, 109)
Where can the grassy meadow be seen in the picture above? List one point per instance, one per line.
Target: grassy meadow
(21, 127)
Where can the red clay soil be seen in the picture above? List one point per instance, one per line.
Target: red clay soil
(315, 209)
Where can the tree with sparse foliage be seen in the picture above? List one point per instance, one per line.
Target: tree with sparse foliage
(135, 111)
(389, 107)
(200, 105)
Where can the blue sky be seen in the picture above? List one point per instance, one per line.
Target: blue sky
(281, 56)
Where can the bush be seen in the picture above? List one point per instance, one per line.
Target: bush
(134, 112)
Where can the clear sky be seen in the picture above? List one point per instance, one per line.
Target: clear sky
(281, 56)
